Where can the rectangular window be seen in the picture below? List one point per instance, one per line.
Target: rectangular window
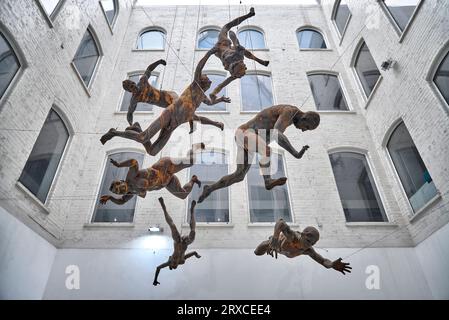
(256, 92)
(141, 106)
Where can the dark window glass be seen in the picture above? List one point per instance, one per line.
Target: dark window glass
(9, 64)
(111, 212)
(41, 166)
(442, 78)
(341, 16)
(415, 178)
(127, 95)
(366, 69)
(401, 10)
(109, 9)
(251, 39)
(268, 205)
(153, 40)
(310, 39)
(208, 38)
(327, 92)
(355, 184)
(86, 57)
(210, 167)
(216, 80)
(256, 92)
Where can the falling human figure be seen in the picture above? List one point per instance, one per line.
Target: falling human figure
(180, 111)
(145, 92)
(180, 243)
(295, 243)
(232, 54)
(255, 136)
(159, 175)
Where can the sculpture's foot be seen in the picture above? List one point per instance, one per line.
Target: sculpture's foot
(205, 194)
(135, 127)
(108, 136)
(252, 13)
(271, 183)
(221, 126)
(265, 63)
(196, 180)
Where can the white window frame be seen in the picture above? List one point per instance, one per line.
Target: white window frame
(313, 28)
(258, 29)
(436, 63)
(334, 23)
(147, 29)
(115, 18)
(201, 30)
(50, 18)
(262, 73)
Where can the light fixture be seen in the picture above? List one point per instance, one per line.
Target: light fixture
(386, 65)
(156, 229)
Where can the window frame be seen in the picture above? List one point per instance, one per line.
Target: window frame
(71, 132)
(90, 216)
(50, 18)
(401, 33)
(187, 176)
(430, 78)
(217, 73)
(122, 94)
(257, 29)
(279, 152)
(115, 18)
(342, 87)
(201, 30)
(340, 35)
(88, 88)
(312, 28)
(262, 73)
(149, 29)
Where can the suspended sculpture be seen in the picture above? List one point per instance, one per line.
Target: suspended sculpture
(232, 54)
(295, 243)
(180, 243)
(159, 175)
(180, 111)
(255, 136)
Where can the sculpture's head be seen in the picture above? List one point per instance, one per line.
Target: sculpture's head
(307, 121)
(309, 236)
(129, 86)
(238, 69)
(205, 82)
(119, 187)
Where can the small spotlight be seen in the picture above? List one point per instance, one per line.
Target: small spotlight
(155, 229)
(386, 65)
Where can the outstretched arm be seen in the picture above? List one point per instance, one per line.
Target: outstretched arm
(122, 200)
(202, 63)
(158, 269)
(217, 89)
(192, 222)
(174, 232)
(337, 264)
(191, 254)
(280, 226)
(153, 66)
(214, 100)
(281, 124)
(127, 163)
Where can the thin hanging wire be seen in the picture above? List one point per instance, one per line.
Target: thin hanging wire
(170, 40)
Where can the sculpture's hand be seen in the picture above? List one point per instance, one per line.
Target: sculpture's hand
(225, 99)
(104, 199)
(115, 163)
(155, 283)
(274, 247)
(301, 153)
(163, 62)
(341, 266)
(197, 256)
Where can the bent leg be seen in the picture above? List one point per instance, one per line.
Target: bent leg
(191, 254)
(161, 141)
(234, 23)
(249, 55)
(188, 161)
(174, 187)
(204, 120)
(262, 248)
(127, 134)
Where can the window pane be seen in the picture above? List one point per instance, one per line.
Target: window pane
(327, 92)
(251, 39)
(355, 184)
(342, 16)
(256, 92)
(415, 178)
(49, 5)
(86, 57)
(9, 64)
(153, 40)
(41, 166)
(207, 39)
(127, 95)
(401, 10)
(216, 80)
(268, 205)
(209, 168)
(310, 39)
(109, 10)
(442, 78)
(111, 212)
(367, 70)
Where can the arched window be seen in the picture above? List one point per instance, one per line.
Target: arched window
(251, 39)
(127, 95)
(358, 193)
(310, 39)
(40, 168)
(341, 16)
(256, 92)
(216, 80)
(208, 38)
(111, 212)
(210, 166)
(151, 40)
(441, 78)
(50, 6)
(414, 176)
(110, 9)
(268, 205)
(401, 11)
(366, 69)
(86, 57)
(9, 64)
(327, 92)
